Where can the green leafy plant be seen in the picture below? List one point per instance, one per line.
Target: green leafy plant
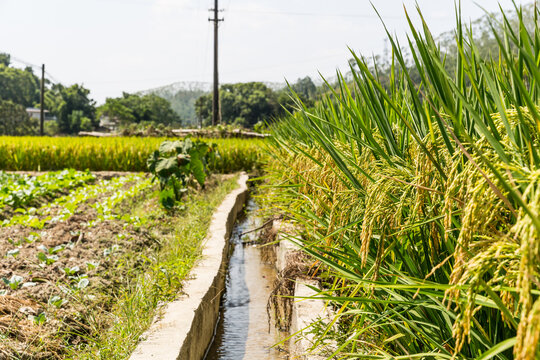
(13, 252)
(175, 163)
(40, 319)
(91, 265)
(71, 271)
(51, 251)
(47, 259)
(32, 238)
(14, 282)
(57, 301)
(82, 282)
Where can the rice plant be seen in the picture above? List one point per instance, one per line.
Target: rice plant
(422, 199)
(113, 154)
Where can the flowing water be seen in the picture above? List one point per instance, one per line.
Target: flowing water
(244, 330)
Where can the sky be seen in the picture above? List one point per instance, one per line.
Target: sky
(112, 46)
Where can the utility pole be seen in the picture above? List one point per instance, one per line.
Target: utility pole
(42, 107)
(216, 114)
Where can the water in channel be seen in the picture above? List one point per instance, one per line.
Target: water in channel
(244, 330)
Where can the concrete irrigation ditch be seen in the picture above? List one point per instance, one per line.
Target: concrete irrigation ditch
(187, 326)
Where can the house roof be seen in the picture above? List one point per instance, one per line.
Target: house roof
(35, 110)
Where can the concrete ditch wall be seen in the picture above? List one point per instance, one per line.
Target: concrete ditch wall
(304, 311)
(187, 326)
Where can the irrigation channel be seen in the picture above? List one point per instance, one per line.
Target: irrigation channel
(244, 330)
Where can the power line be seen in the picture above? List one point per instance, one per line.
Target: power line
(25, 62)
(196, 77)
(36, 67)
(264, 12)
(52, 78)
(267, 12)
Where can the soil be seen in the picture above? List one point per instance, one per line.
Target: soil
(87, 252)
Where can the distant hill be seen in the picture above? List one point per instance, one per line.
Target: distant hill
(182, 96)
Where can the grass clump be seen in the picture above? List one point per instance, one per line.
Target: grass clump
(422, 199)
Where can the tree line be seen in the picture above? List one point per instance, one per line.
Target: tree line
(242, 104)
(71, 107)
(248, 104)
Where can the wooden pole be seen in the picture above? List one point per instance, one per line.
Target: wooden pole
(42, 97)
(216, 114)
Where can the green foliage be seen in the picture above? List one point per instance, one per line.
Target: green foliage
(5, 59)
(132, 108)
(85, 123)
(175, 163)
(242, 104)
(20, 89)
(79, 122)
(72, 106)
(485, 37)
(14, 120)
(247, 104)
(37, 218)
(14, 282)
(420, 199)
(155, 280)
(50, 128)
(304, 90)
(183, 104)
(19, 86)
(19, 191)
(260, 127)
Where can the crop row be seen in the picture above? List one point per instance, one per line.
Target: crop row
(113, 154)
(19, 190)
(65, 206)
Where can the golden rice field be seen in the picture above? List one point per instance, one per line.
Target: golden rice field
(112, 154)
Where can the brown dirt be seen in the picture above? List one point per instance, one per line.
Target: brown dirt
(20, 336)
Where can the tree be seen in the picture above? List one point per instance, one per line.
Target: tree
(306, 90)
(482, 32)
(203, 109)
(242, 104)
(71, 105)
(133, 108)
(5, 59)
(20, 86)
(305, 87)
(14, 120)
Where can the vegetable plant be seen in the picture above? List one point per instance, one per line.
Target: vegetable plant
(14, 282)
(57, 301)
(175, 163)
(13, 252)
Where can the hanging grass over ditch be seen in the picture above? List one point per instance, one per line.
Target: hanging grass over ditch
(422, 200)
(113, 153)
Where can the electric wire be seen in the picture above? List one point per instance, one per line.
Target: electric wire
(51, 78)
